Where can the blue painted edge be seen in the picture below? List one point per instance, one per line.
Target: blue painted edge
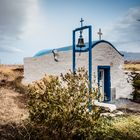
(44, 52)
(98, 42)
(73, 52)
(89, 28)
(90, 56)
(68, 48)
(104, 41)
(109, 78)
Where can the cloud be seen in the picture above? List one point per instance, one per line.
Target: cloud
(125, 32)
(4, 49)
(13, 17)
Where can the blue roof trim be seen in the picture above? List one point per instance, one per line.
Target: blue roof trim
(68, 48)
(104, 41)
(43, 52)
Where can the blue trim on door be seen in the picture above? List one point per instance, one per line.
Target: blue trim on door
(107, 82)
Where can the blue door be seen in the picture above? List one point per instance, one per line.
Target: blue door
(104, 83)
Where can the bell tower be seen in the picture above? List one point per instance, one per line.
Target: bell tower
(83, 48)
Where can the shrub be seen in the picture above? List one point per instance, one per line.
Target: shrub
(136, 86)
(106, 128)
(126, 127)
(62, 106)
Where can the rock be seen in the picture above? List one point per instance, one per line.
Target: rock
(118, 113)
(106, 106)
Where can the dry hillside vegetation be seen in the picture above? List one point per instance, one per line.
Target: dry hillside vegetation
(12, 99)
(13, 113)
(132, 66)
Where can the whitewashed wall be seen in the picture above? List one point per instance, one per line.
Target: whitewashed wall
(103, 54)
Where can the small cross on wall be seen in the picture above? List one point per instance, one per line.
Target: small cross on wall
(100, 34)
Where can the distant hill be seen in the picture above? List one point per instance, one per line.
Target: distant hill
(131, 56)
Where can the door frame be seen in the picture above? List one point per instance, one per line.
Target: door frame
(107, 82)
(101, 84)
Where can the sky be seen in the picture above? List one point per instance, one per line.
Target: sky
(28, 26)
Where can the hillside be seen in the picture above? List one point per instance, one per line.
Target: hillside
(130, 56)
(12, 97)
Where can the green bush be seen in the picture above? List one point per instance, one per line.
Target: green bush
(62, 106)
(136, 86)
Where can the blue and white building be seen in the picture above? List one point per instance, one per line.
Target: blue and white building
(107, 67)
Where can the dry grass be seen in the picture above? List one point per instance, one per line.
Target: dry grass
(132, 67)
(10, 73)
(127, 127)
(12, 106)
(128, 121)
(12, 102)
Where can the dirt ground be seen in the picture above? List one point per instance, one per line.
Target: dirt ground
(12, 106)
(12, 102)
(128, 106)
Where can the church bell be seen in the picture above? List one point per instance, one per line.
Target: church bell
(81, 43)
